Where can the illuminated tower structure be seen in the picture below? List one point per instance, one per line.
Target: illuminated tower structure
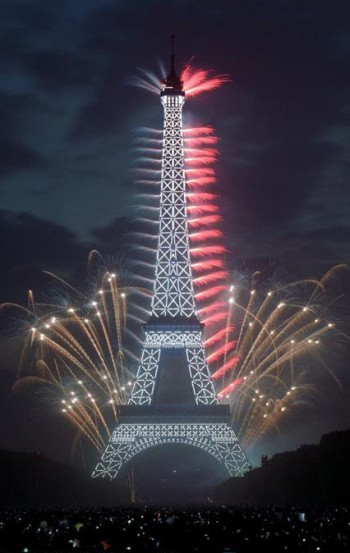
(173, 398)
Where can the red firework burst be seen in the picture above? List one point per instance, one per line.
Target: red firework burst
(197, 80)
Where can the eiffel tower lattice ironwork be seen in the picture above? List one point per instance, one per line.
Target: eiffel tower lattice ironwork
(173, 398)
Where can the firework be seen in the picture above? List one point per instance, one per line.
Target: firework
(195, 80)
(275, 349)
(75, 352)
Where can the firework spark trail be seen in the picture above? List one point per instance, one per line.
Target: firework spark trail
(195, 80)
(77, 354)
(205, 238)
(277, 335)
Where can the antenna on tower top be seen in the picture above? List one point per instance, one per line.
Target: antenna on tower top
(172, 83)
(172, 37)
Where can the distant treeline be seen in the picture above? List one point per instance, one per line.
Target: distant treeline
(31, 479)
(311, 475)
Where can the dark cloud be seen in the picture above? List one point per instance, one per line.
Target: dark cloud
(316, 251)
(12, 45)
(102, 115)
(264, 194)
(57, 70)
(33, 245)
(11, 108)
(14, 154)
(300, 252)
(105, 29)
(32, 16)
(113, 238)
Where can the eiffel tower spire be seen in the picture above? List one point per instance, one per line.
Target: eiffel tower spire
(172, 84)
(173, 397)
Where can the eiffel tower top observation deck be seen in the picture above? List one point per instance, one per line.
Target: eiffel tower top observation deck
(173, 295)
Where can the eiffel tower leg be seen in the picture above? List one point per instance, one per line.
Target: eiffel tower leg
(143, 387)
(229, 451)
(202, 384)
(113, 457)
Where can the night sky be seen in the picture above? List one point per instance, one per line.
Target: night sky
(69, 118)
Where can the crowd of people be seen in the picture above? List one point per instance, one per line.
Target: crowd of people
(198, 529)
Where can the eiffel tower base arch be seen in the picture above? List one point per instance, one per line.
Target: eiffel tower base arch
(143, 427)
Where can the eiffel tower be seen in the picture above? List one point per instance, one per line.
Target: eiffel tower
(173, 400)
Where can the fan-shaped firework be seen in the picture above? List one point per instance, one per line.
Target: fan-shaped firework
(195, 80)
(76, 352)
(276, 340)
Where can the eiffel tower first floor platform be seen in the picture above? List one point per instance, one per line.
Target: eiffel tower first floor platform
(144, 426)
